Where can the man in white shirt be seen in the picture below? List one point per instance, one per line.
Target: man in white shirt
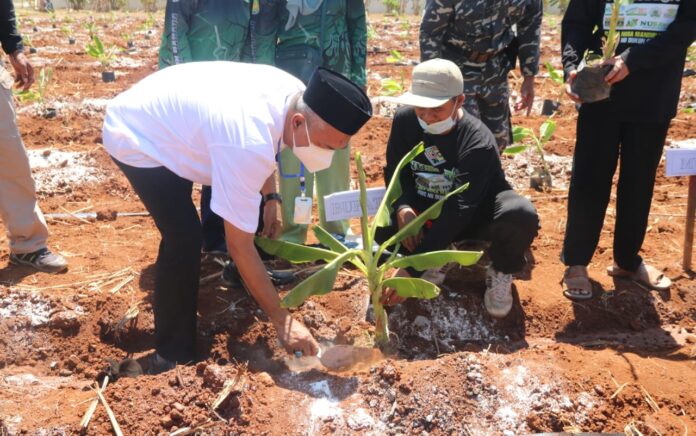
(174, 129)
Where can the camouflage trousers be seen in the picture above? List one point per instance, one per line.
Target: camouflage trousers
(487, 97)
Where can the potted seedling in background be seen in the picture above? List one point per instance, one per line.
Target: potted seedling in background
(54, 20)
(128, 39)
(589, 84)
(395, 57)
(91, 29)
(371, 32)
(389, 87)
(147, 26)
(26, 40)
(39, 94)
(105, 57)
(67, 31)
(30, 22)
(375, 266)
(551, 106)
(541, 178)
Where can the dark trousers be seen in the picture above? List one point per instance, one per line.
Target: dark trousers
(601, 142)
(213, 225)
(167, 197)
(510, 223)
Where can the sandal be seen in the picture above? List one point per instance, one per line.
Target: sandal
(645, 275)
(578, 287)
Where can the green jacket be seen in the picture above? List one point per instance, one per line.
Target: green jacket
(226, 30)
(345, 36)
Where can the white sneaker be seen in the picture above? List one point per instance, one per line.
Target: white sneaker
(498, 296)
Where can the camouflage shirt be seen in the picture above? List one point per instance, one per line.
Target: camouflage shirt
(345, 36)
(454, 29)
(226, 30)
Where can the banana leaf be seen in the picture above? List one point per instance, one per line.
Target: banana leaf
(546, 130)
(319, 283)
(436, 259)
(335, 245)
(294, 253)
(364, 223)
(415, 225)
(382, 217)
(515, 149)
(412, 287)
(520, 133)
(328, 240)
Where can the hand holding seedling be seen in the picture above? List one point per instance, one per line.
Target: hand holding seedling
(618, 72)
(569, 87)
(404, 216)
(24, 72)
(526, 97)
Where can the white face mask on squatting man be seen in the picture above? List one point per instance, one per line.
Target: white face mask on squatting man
(439, 127)
(312, 157)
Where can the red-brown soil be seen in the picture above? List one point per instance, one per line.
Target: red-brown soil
(622, 360)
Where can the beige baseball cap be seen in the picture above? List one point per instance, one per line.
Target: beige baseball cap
(434, 83)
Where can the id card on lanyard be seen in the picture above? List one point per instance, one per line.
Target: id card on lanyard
(303, 204)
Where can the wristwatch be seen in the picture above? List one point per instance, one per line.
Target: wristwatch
(272, 196)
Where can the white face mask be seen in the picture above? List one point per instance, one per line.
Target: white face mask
(312, 157)
(439, 127)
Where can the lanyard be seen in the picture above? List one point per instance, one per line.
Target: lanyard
(291, 176)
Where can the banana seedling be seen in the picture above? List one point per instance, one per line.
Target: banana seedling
(390, 87)
(105, 57)
(394, 57)
(541, 179)
(375, 266)
(68, 32)
(551, 106)
(589, 84)
(39, 94)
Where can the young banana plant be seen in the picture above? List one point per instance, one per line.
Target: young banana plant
(375, 266)
(520, 134)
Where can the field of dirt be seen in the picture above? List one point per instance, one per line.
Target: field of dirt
(621, 362)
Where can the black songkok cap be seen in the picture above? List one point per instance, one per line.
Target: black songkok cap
(338, 101)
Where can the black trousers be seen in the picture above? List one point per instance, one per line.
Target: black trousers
(510, 223)
(601, 142)
(213, 224)
(167, 197)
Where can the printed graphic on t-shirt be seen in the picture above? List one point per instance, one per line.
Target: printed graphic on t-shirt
(433, 155)
(417, 166)
(639, 22)
(434, 186)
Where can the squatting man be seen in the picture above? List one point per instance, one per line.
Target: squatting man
(173, 129)
(459, 149)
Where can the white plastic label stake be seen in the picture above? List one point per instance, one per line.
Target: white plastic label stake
(303, 210)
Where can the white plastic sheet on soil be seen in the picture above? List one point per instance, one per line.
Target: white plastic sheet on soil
(56, 171)
(345, 413)
(521, 391)
(31, 307)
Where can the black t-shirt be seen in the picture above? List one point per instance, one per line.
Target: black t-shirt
(468, 154)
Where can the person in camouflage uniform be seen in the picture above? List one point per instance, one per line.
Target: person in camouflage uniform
(218, 30)
(342, 49)
(478, 36)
